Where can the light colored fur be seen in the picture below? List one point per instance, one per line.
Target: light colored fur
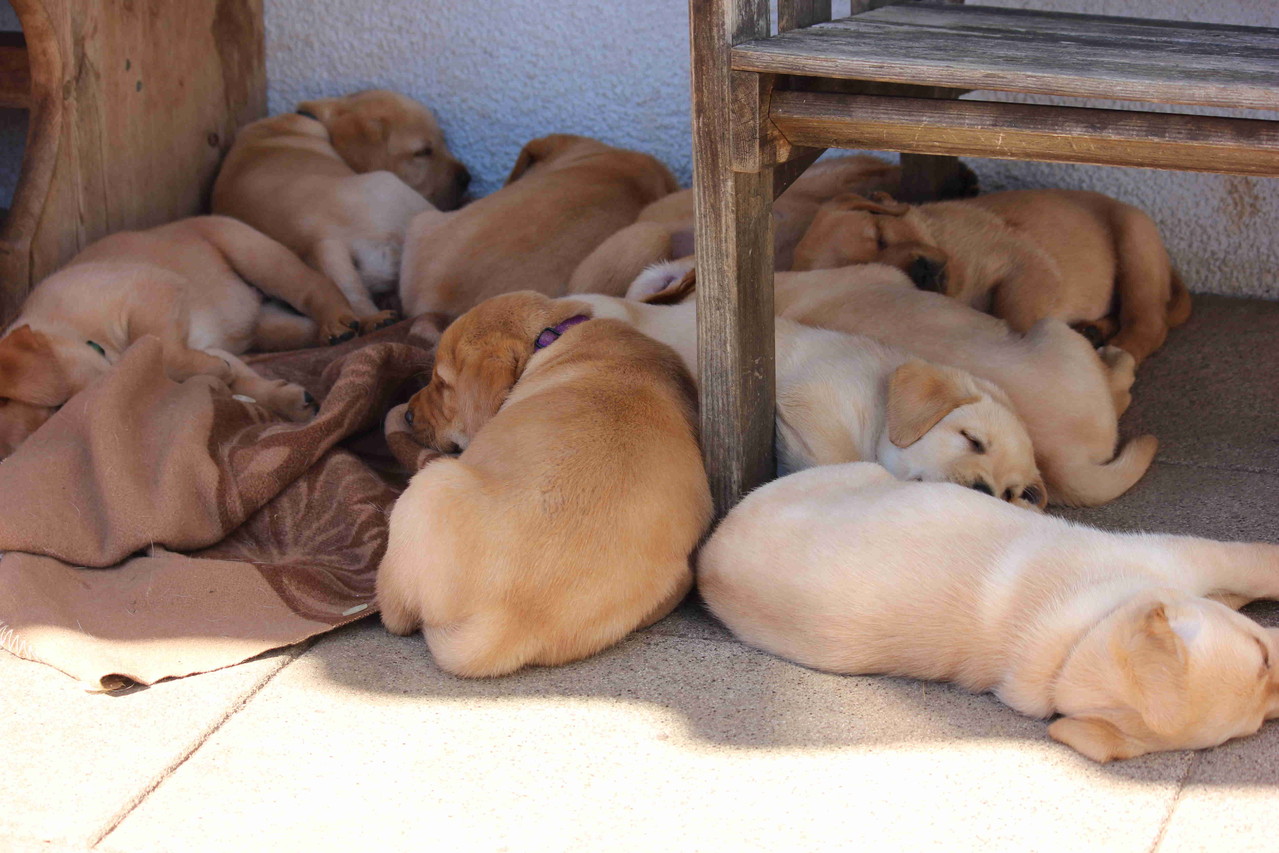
(570, 517)
(197, 285)
(664, 229)
(844, 398)
(1067, 395)
(845, 569)
(340, 189)
(565, 195)
(1022, 255)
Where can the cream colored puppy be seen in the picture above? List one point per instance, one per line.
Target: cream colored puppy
(570, 517)
(338, 181)
(846, 398)
(1131, 638)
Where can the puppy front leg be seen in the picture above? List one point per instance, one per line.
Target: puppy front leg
(1233, 573)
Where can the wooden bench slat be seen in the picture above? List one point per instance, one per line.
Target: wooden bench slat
(1030, 132)
(1071, 55)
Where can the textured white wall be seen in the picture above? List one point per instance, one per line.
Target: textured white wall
(499, 74)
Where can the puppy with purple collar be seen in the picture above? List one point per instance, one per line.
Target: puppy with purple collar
(570, 517)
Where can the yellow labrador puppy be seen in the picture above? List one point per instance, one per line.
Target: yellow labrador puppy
(569, 519)
(664, 229)
(1067, 394)
(1131, 638)
(338, 181)
(565, 195)
(845, 398)
(197, 285)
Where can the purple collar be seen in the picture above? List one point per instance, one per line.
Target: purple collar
(552, 334)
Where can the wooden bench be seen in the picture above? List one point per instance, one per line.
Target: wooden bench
(766, 105)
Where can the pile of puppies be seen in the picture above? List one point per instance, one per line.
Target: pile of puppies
(946, 370)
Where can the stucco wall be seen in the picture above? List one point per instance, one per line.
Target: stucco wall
(499, 74)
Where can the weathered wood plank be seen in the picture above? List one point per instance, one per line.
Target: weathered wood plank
(1030, 132)
(15, 73)
(735, 265)
(794, 14)
(1035, 52)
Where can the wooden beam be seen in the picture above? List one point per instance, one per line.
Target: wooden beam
(734, 233)
(15, 72)
(1030, 132)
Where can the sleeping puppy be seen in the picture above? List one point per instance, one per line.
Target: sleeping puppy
(565, 195)
(338, 181)
(1080, 257)
(569, 518)
(664, 230)
(1132, 638)
(197, 285)
(1068, 395)
(844, 398)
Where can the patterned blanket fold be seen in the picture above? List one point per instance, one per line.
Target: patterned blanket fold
(154, 529)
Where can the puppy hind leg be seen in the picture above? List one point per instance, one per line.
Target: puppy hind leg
(1143, 284)
(1121, 372)
(1233, 573)
(284, 398)
(333, 258)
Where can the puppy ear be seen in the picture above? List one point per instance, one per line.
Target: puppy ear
(676, 292)
(483, 386)
(919, 395)
(536, 151)
(29, 370)
(1097, 736)
(881, 203)
(1155, 659)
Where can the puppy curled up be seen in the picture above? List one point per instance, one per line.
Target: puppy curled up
(570, 516)
(1132, 638)
(848, 398)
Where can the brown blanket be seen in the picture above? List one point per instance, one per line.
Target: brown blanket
(155, 529)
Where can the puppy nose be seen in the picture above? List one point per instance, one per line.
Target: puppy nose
(408, 417)
(983, 487)
(463, 179)
(928, 274)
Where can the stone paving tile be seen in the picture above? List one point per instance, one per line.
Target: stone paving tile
(661, 743)
(74, 761)
(1211, 395)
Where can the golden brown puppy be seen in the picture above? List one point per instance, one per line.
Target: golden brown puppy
(664, 230)
(197, 284)
(565, 196)
(569, 519)
(1080, 257)
(1132, 638)
(338, 181)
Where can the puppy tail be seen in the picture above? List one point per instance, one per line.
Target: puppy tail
(1084, 483)
(1178, 302)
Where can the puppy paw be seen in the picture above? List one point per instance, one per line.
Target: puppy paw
(339, 329)
(292, 401)
(380, 320)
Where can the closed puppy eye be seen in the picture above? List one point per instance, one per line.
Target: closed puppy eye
(1265, 653)
(424, 151)
(976, 443)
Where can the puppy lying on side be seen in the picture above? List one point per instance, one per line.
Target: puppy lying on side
(195, 285)
(1131, 638)
(569, 519)
(565, 195)
(1080, 257)
(1067, 394)
(338, 181)
(664, 230)
(845, 398)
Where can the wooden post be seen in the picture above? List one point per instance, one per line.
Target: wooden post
(734, 233)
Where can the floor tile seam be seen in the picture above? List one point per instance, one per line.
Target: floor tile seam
(1195, 758)
(1234, 469)
(200, 740)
